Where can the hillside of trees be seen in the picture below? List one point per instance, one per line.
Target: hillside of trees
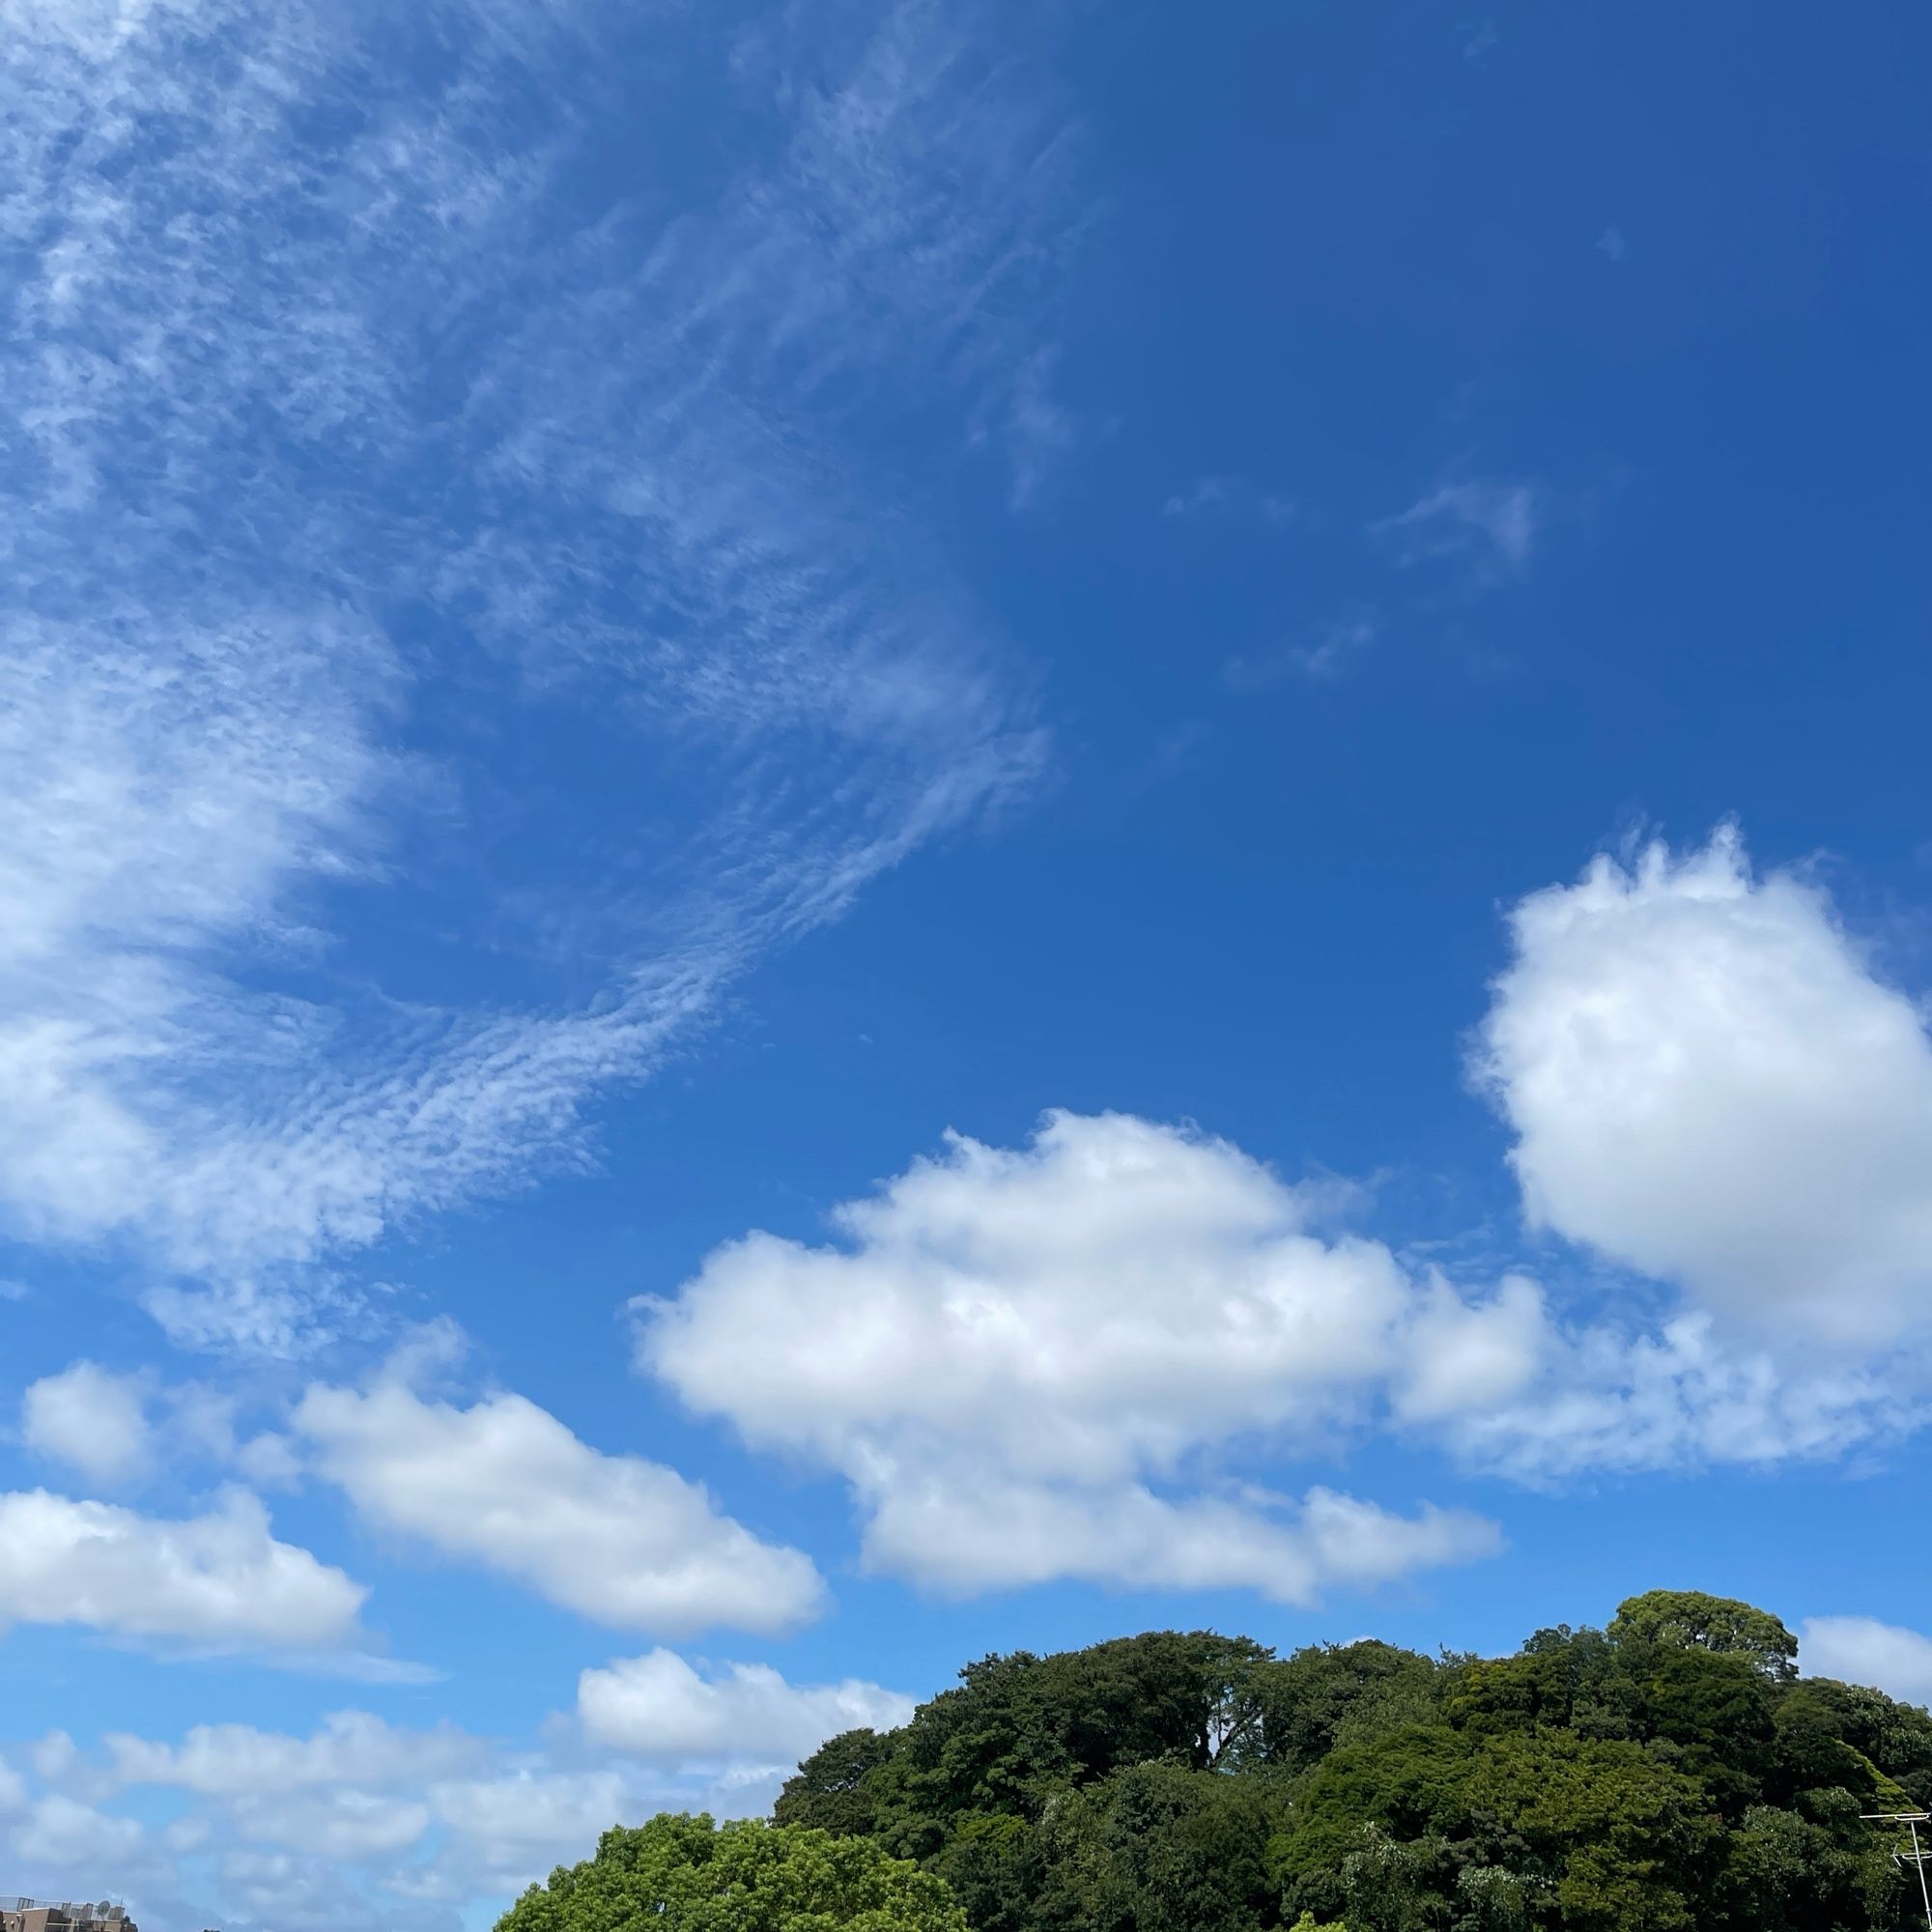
(1671, 1771)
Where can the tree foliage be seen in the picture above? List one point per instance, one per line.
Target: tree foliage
(1669, 1770)
(685, 1874)
(1689, 1619)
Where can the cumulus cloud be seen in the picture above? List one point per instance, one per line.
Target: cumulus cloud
(122, 1429)
(95, 1421)
(1038, 1362)
(505, 1485)
(380, 1824)
(62, 1835)
(1015, 1348)
(351, 1747)
(426, 1814)
(1709, 1083)
(961, 1534)
(217, 1582)
(1463, 1358)
(658, 1706)
(1861, 1650)
(527, 1808)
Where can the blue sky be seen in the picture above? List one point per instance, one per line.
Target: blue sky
(834, 835)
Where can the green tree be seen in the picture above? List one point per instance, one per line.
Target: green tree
(1329, 1694)
(1020, 1729)
(1615, 1841)
(685, 1874)
(1408, 1786)
(1395, 1884)
(832, 1790)
(1576, 1679)
(1160, 1848)
(1684, 1619)
(1895, 1737)
(1667, 1771)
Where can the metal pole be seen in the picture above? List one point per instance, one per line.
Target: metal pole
(1918, 1856)
(1918, 1859)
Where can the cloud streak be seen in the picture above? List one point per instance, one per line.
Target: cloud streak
(1487, 523)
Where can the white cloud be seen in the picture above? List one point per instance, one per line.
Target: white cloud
(56, 1758)
(1209, 496)
(1861, 1650)
(219, 1581)
(970, 1300)
(1493, 523)
(1015, 1344)
(95, 1421)
(958, 1533)
(1462, 1358)
(1036, 1363)
(122, 1429)
(389, 1822)
(295, 1892)
(505, 1484)
(1617, 1397)
(511, 1827)
(1041, 431)
(62, 1835)
(351, 1747)
(1336, 646)
(1708, 1083)
(346, 1825)
(657, 1706)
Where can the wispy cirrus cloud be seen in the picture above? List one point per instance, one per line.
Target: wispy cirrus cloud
(1216, 496)
(1492, 524)
(376, 416)
(1335, 647)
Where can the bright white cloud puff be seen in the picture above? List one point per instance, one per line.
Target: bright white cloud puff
(503, 1485)
(1709, 1082)
(1014, 1345)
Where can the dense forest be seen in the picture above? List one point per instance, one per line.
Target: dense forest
(1671, 1771)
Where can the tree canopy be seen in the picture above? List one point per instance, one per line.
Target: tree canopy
(1687, 1619)
(686, 1874)
(1666, 1772)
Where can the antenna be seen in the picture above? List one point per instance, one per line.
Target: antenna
(1918, 1856)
